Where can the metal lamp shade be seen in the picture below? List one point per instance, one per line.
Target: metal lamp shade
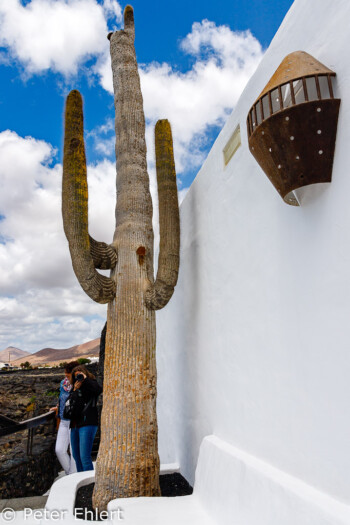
(292, 126)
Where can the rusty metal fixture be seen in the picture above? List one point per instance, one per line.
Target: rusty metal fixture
(292, 125)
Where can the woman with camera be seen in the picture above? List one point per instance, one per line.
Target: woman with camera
(81, 409)
(63, 434)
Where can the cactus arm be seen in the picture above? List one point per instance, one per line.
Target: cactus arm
(158, 295)
(75, 205)
(103, 255)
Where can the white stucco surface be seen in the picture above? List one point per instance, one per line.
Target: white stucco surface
(232, 487)
(254, 346)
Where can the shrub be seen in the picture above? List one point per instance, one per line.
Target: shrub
(83, 360)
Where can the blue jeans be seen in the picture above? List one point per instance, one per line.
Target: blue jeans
(81, 442)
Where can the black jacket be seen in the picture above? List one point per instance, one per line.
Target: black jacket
(89, 392)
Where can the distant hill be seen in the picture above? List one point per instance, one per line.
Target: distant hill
(15, 353)
(54, 356)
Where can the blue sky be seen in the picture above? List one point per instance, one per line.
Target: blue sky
(195, 59)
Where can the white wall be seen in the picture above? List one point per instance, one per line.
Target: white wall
(255, 344)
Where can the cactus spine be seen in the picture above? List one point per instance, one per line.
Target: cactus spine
(128, 462)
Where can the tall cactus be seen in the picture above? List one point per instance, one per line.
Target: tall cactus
(128, 462)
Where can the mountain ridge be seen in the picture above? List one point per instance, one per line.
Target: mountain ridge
(15, 353)
(52, 356)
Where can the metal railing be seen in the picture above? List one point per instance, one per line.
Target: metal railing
(9, 426)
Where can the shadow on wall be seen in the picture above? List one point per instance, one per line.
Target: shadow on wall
(187, 378)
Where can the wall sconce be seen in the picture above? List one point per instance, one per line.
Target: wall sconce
(293, 124)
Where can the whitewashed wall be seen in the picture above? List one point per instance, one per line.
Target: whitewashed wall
(255, 343)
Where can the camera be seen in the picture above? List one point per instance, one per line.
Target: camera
(79, 377)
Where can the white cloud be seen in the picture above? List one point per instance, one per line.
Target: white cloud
(112, 8)
(41, 301)
(102, 200)
(237, 47)
(55, 34)
(48, 318)
(103, 137)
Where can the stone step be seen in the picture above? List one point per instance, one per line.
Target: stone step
(33, 502)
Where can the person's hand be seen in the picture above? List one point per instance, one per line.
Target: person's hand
(54, 409)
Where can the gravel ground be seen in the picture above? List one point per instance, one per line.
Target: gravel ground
(170, 485)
